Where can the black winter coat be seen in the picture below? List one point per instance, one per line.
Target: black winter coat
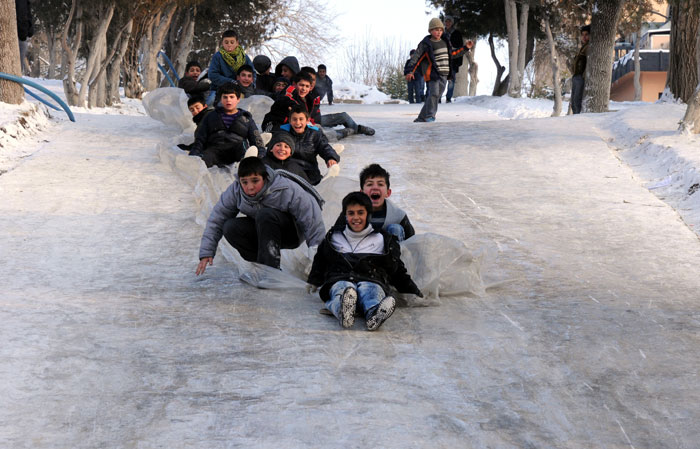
(219, 145)
(290, 164)
(285, 101)
(193, 87)
(386, 269)
(307, 146)
(25, 23)
(457, 41)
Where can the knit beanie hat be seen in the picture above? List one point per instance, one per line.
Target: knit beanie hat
(281, 136)
(435, 23)
(261, 63)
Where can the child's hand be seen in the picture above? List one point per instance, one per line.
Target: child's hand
(203, 265)
(331, 163)
(469, 44)
(311, 289)
(410, 77)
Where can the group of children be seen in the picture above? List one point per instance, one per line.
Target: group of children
(224, 132)
(357, 262)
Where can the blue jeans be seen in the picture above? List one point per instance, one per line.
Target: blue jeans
(339, 118)
(450, 89)
(415, 90)
(397, 230)
(577, 85)
(435, 88)
(369, 295)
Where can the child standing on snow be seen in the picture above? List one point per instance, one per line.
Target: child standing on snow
(434, 58)
(225, 63)
(278, 213)
(355, 266)
(224, 134)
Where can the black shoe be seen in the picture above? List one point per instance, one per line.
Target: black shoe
(343, 133)
(366, 130)
(419, 120)
(380, 313)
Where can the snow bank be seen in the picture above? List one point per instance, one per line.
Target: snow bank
(512, 108)
(18, 124)
(348, 90)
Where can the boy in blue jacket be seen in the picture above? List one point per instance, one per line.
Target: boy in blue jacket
(355, 266)
(225, 63)
(278, 211)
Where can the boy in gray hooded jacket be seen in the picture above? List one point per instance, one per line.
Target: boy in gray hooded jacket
(278, 211)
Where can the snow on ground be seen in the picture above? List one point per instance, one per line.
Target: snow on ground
(347, 90)
(588, 336)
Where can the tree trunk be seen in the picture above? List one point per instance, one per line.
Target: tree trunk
(523, 43)
(499, 69)
(69, 82)
(152, 43)
(691, 121)
(683, 70)
(114, 68)
(556, 111)
(637, 65)
(511, 11)
(600, 56)
(10, 92)
(181, 38)
(473, 72)
(51, 43)
(97, 48)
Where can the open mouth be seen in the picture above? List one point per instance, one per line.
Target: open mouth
(375, 196)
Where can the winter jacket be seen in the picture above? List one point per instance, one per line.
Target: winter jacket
(290, 164)
(386, 269)
(220, 72)
(289, 61)
(393, 215)
(197, 119)
(456, 41)
(579, 65)
(324, 87)
(25, 22)
(246, 91)
(285, 101)
(424, 59)
(265, 83)
(307, 146)
(219, 145)
(193, 87)
(278, 193)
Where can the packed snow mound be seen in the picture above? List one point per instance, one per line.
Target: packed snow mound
(348, 90)
(168, 105)
(512, 108)
(439, 265)
(17, 124)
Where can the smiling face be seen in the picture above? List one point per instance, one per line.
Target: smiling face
(196, 108)
(229, 102)
(229, 43)
(245, 78)
(356, 216)
(286, 72)
(303, 88)
(279, 86)
(281, 150)
(298, 121)
(194, 72)
(377, 191)
(436, 33)
(252, 184)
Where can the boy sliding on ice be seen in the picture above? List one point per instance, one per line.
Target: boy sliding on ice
(355, 265)
(278, 214)
(279, 152)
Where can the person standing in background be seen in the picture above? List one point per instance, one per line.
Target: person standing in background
(25, 30)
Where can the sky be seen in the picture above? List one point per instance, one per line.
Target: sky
(401, 21)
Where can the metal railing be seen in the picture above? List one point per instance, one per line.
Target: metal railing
(30, 83)
(165, 71)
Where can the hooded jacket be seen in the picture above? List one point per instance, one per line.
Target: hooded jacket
(279, 193)
(226, 145)
(289, 61)
(386, 269)
(307, 146)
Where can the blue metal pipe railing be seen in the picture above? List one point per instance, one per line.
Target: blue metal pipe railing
(31, 83)
(165, 71)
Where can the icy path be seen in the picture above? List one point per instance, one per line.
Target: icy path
(110, 341)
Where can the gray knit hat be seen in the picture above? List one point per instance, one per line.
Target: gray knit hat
(435, 23)
(281, 136)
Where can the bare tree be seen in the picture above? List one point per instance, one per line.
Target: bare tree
(371, 61)
(517, 44)
(683, 65)
(302, 27)
(10, 92)
(70, 50)
(555, 67)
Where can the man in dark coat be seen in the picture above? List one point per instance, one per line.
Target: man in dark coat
(25, 30)
(579, 70)
(455, 38)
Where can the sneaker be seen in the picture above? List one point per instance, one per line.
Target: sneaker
(348, 302)
(430, 120)
(381, 313)
(366, 130)
(419, 120)
(345, 132)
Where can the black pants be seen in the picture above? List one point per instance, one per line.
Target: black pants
(577, 85)
(260, 239)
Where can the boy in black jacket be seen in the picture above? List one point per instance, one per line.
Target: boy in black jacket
(355, 265)
(279, 152)
(199, 109)
(190, 82)
(309, 142)
(224, 135)
(295, 95)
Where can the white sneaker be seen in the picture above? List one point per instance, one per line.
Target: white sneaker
(251, 152)
(382, 313)
(348, 303)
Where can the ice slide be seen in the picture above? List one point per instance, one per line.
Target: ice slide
(439, 265)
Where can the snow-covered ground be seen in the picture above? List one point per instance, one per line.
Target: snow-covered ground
(586, 337)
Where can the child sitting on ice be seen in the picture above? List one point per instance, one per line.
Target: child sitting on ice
(224, 134)
(199, 109)
(244, 79)
(278, 213)
(279, 152)
(225, 63)
(309, 142)
(374, 182)
(355, 266)
(190, 82)
(298, 94)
